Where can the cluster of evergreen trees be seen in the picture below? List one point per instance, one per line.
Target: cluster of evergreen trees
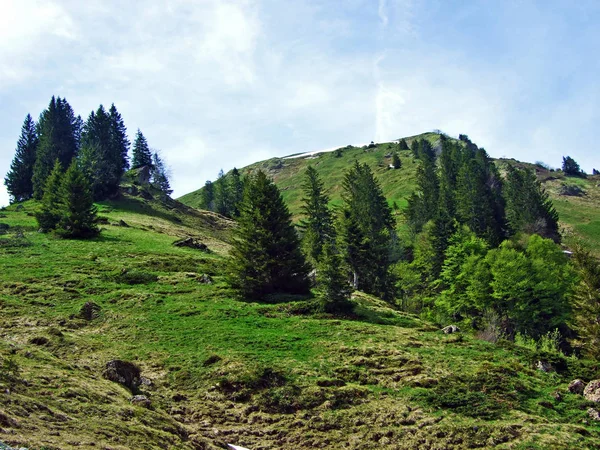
(224, 195)
(352, 249)
(99, 145)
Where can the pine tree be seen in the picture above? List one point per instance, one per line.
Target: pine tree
(119, 143)
(78, 213)
(528, 207)
(266, 256)
(396, 161)
(18, 180)
(236, 191)
(333, 284)
(159, 178)
(222, 195)
(367, 232)
(208, 196)
(57, 131)
(52, 200)
(423, 203)
(571, 168)
(402, 145)
(141, 152)
(101, 162)
(318, 224)
(585, 303)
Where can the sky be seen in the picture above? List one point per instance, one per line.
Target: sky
(216, 83)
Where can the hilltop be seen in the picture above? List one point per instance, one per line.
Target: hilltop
(217, 369)
(579, 214)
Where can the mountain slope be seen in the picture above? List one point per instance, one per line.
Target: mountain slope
(579, 216)
(222, 370)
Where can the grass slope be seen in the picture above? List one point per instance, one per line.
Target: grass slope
(579, 216)
(260, 375)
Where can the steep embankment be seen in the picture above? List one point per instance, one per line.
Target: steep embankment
(579, 215)
(217, 370)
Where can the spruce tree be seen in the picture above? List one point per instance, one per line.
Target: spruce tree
(402, 145)
(119, 143)
(208, 196)
(100, 160)
(265, 255)
(423, 203)
(78, 213)
(222, 195)
(18, 180)
(236, 191)
(141, 152)
(332, 282)
(528, 207)
(318, 223)
(396, 161)
(367, 232)
(57, 131)
(52, 200)
(571, 168)
(159, 178)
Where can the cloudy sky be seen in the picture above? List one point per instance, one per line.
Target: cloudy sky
(215, 83)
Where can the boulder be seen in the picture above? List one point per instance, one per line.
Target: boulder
(122, 223)
(576, 387)
(140, 400)
(123, 372)
(594, 414)
(544, 366)
(205, 279)
(191, 243)
(592, 391)
(450, 329)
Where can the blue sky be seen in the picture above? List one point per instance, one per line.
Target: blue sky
(214, 83)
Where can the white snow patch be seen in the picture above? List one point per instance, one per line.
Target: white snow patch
(304, 155)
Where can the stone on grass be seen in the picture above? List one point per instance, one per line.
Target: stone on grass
(576, 387)
(450, 329)
(594, 414)
(592, 391)
(140, 400)
(544, 366)
(123, 372)
(192, 243)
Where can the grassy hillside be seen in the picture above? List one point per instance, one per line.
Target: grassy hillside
(579, 216)
(261, 375)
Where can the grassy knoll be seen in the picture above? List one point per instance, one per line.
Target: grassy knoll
(222, 370)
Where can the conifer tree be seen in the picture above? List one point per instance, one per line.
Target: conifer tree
(222, 195)
(141, 152)
(266, 256)
(396, 161)
(208, 196)
(402, 145)
(236, 192)
(78, 213)
(332, 282)
(100, 160)
(52, 200)
(18, 180)
(528, 207)
(585, 303)
(367, 232)
(570, 167)
(423, 203)
(119, 143)
(318, 224)
(159, 178)
(57, 131)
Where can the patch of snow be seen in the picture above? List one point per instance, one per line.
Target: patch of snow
(313, 154)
